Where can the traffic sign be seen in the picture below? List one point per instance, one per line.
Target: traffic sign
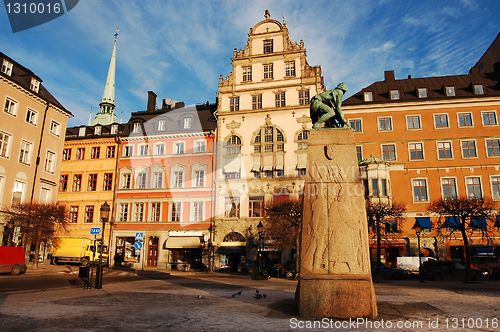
(138, 245)
(139, 236)
(95, 230)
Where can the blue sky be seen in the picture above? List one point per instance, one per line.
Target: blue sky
(178, 49)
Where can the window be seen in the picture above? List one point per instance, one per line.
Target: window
(394, 94)
(45, 195)
(441, 120)
(7, 67)
(247, 73)
(290, 69)
(18, 193)
(474, 187)
(10, 106)
(67, 154)
(80, 153)
(383, 182)
(178, 147)
(268, 46)
(422, 92)
(389, 152)
(465, 119)
(199, 178)
(157, 182)
(35, 85)
(490, 118)
(450, 91)
(128, 150)
(368, 96)
(469, 149)
(141, 181)
(143, 150)
(478, 89)
(123, 213)
(50, 158)
(302, 140)
(444, 150)
(108, 181)
(257, 102)
(161, 125)
(233, 145)
(279, 99)
(420, 190)
(493, 147)
(234, 104)
(232, 207)
(73, 214)
(82, 131)
(413, 122)
(95, 152)
(139, 211)
(268, 71)
(4, 144)
(375, 187)
(385, 124)
(187, 123)
(63, 183)
(416, 151)
(304, 97)
(155, 212)
(89, 214)
(55, 128)
(126, 181)
(97, 130)
(356, 125)
(255, 206)
(159, 149)
(301, 172)
(268, 174)
(495, 187)
(198, 211)
(175, 213)
(137, 127)
(110, 152)
(200, 146)
(77, 182)
(178, 179)
(449, 186)
(359, 153)
(391, 226)
(92, 182)
(31, 116)
(25, 154)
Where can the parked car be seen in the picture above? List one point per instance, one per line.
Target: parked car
(12, 260)
(436, 270)
(290, 269)
(389, 272)
(484, 263)
(496, 269)
(251, 266)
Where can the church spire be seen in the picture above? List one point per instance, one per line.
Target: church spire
(107, 105)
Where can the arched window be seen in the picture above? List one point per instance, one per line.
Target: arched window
(302, 140)
(233, 145)
(233, 237)
(268, 157)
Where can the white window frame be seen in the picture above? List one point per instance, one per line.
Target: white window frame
(152, 211)
(55, 128)
(480, 184)
(123, 212)
(419, 122)
(177, 145)
(246, 72)
(426, 189)
(82, 131)
(489, 125)
(384, 130)
(114, 129)
(7, 67)
(7, 143)
(471, 120)
(35, 85)
(368, 96)
(139, 211)
(141, 179)
(491, 186)
(360, 123)
(33, 119)
(136, 127)
(194, 179)
(450, 91)
(130, 148)
(187, 123)
(161, 125)
(462, 149)
(97, 130)
(197, 213)
(178, 211)
(423, 151)
(486, 146)
(422, 92)
(290, 69)
(29, 144)
(451, 150)
(156, 149)
(267, 71)
(478, 89)
(395, 151)
(361, 149)
(200, 146)
(442, 185)
(141, 147)
(155, 182)
(50, 160)
(394, 94)
(23, 185)
(48, 197)
(12, 106)
(447, 120)
(123, 176)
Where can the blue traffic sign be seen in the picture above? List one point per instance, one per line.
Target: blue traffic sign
(138, 245)
(139, 236)
(95, 230)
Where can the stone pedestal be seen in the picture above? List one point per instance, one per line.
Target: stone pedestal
(335, 274)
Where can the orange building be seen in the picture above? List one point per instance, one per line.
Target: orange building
(441, 138)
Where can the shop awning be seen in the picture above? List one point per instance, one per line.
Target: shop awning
(479, 221)
(232, 250)
(301, 159)
(388, 245)
(453, 221)
(425, 222)
(180, 242)
(232, 164)
(484, 250)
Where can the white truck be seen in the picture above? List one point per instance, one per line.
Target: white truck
(410, 263)
(77, 250)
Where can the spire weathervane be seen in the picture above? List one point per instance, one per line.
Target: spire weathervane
(116, 34)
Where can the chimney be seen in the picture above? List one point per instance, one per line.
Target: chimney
(151, 101)
(389, 76)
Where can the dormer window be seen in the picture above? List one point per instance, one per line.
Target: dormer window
(394, 94)
(97, 130)
(137, 127)
(35, 85)
(114, 129)
(478, 89)
(188, 123)
(7, 67)
(368, 96)
(82, 131)
(450, 91)
(268, 46)
(422, 92)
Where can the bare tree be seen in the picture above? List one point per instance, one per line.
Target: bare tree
(37, 223)
(470, 214)
(377, 213)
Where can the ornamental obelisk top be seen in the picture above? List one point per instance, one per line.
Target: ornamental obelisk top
(107, 105)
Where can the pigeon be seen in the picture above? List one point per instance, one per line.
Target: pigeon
(237, 293)
(258, 296)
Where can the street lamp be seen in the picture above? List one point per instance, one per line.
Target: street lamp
(260, 229)
(418, 229)
(104, 219)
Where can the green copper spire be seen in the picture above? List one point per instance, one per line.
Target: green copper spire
(107, 105)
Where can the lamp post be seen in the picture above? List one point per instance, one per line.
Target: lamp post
(104, 219)
(418, 229)
(260, 229)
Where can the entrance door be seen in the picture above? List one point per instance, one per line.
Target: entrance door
(152, 255)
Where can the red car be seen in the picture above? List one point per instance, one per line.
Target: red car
(12, 260)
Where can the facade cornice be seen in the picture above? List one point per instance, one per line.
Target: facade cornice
(162, 137)
(76, 142)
